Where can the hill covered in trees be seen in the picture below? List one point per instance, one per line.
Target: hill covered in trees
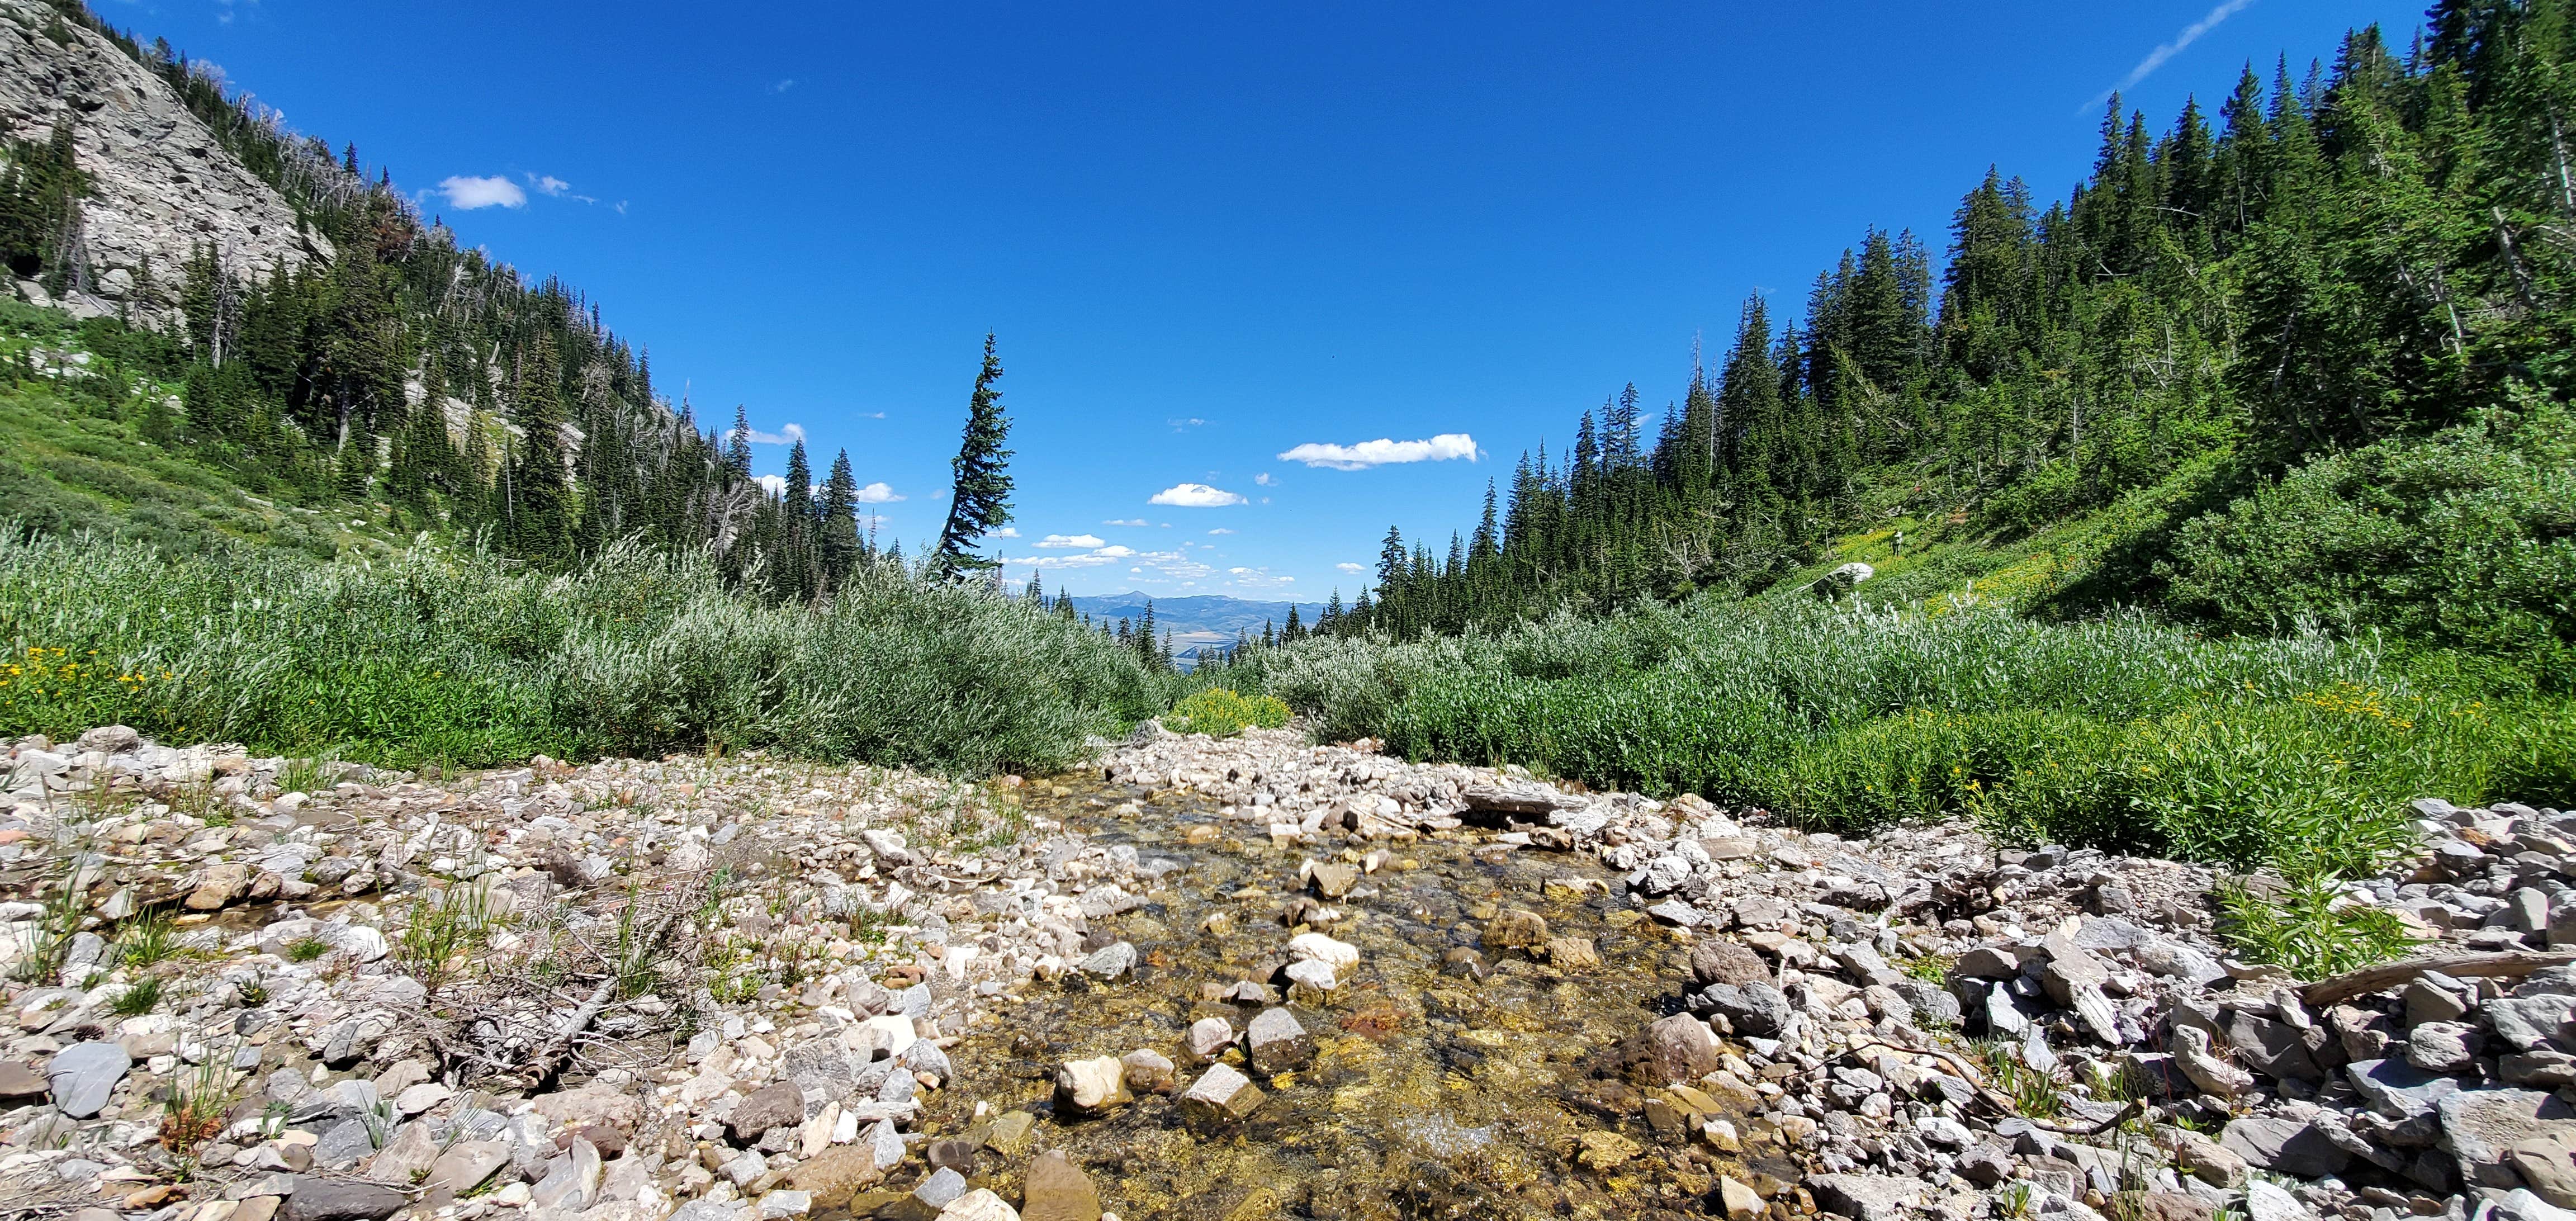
(391, 375)
(2298, 357)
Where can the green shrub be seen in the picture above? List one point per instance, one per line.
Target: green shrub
(2297, 753)
(2309, 929)
(1220, 712)
(452, 657)
(2465, 539)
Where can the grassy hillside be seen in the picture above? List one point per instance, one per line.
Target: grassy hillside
(78, 452)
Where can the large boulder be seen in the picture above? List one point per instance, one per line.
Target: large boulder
(835, 1175)
(1055, 1189)
(1717, 960)
(2284, 1146)
(1275, 1041)
(1674, 1050)
(84, 1074)
(1220, 1096)
(341, 1200)
(1092, 1086)
(1865, 1197)
(769, 1107)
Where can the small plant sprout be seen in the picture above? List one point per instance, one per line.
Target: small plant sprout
(139, 998)
(147, 940)
(198, 1107)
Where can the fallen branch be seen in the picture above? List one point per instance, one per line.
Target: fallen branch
(1995, 1101)
(2511, 964)
(543, 1063)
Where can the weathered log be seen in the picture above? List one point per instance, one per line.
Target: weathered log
(1532, 799)
(2510, 964)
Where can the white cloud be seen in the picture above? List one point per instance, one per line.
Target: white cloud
(783, 86)
(775, 485)
(1220, 530)
(787, 434)
(1383, 451)
(1180, 425)
(1058, 561)
(878, 494)
(1079, 541)
(1195, 496)
(1352, 568)
(1089, 559)
(1258, 578)
(1124, 521)
(1005, 532)
(549, 185)
(2164, 51)
(468, 193)
(1263, 479)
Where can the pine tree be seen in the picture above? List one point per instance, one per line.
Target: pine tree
(799, 494)
(981, 501)
(737, 446)
(540, 497)
(838, 532)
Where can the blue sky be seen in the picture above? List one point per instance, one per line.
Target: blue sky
(1207, 235)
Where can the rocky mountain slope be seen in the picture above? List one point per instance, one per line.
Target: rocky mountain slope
(1241, 978)
(161, 186)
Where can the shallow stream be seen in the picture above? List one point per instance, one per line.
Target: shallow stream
(1457, 1092)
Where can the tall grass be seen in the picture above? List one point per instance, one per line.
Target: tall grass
(2299, 753)
(457, 657)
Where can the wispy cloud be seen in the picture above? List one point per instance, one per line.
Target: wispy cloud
(1221, 530)
(1258, 578)
(2156, 58)
(1093, 558)
(877, 494)
(1005, 532)
(466, 193)
(1383, 451)
(783, 86)
(1195, 496)
(1124, 521)
(1064, 541)
(1264, 479)
(1354, 569)
(787, 434)
(557, 188)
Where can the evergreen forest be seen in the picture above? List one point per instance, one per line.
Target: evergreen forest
(408, 373)
(2297, 358)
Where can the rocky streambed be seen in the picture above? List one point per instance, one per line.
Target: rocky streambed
(1448, 1015)
(1227, 979)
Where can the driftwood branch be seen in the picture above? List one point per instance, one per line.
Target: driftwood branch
(1995, 1101)
(2512, 964)
(1526, 798)
(546, 1059)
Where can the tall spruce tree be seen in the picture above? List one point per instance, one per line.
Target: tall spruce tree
(980, 502)
(541, 508)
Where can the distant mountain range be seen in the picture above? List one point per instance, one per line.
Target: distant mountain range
(1202, 620)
